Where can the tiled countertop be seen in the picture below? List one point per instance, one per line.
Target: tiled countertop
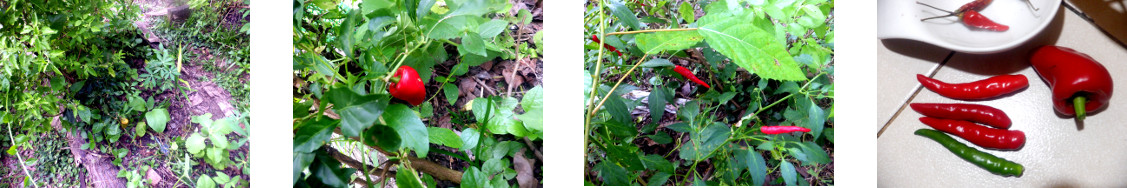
(1057, 153)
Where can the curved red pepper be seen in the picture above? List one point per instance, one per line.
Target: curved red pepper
(782, 129)
(689, 74)
(982, 89)
(409, 88)
(974, 19)
(979, 135)
(605, 45)
(969, 112)
(976, 5)
(1077, 80)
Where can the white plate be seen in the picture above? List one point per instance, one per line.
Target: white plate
(900, 19)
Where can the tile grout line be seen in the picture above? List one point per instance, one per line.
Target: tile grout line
(914, 93)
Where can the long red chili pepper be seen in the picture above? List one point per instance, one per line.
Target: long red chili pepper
(409, 87)
(979, 135)
(974, 19)
(982, 89)
(605, 45)
(689, 75)
(782, 129)
(976, 5)
(1080, 84)
(969, 112)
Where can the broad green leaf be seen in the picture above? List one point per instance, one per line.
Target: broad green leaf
(657, 42)
(410, 128)
(787, 171)
(423, 9)
(492, 28)
(624, 14)
(221, 178)
(326, 4)
(472, 43)
(473, 178)
(407, 178)
(687, 12)
(194, 143)
(702, 144)
(657, 104)
(443, 30)
(627, 156)
(613, 175)
(815, 117)
(451, 92)
(329, 171)
(381, 136)
(680, 127)
(756, 165)
(444, 137)
(300, 161)
(657, 62)
(357, 112)
(533, 117)
(205, 182)
(661, 138)
(814, 153)
(749, 47)
(140, 130)
(313, 134)
(369, 6)
(656, 162)
(689, 112)
(470, 138)
(658, 179)
(815, 15)
(218, 140)
(829, 132)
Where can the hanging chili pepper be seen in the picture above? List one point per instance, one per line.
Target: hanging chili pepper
(605, 45)
(979, 135)
(782, 129)
(689, 75)
(1079, 83)
(409, 86)
(984, 160)
(982, 89)
(970, 112)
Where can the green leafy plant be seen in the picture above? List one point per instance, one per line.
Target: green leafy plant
(162, 72)
(768, 63)
(211, 142)
(346, 56)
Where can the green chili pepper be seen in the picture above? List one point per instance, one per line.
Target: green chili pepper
(985, 160)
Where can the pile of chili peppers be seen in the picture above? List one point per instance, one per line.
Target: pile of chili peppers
(963, 120)
(1080, 85)
(969, 15)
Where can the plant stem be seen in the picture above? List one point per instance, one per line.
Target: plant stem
(650, 31)
(595, 82)
(13, 139)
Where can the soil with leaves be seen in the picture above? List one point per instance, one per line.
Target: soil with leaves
(680, 92)
(124, 94)
(416, 93)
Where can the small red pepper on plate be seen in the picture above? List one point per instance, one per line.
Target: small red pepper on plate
(605, 45)
(979, 135)
(982, 89)
(1079, 83)
(689, 75)
(409, 86)
(782, 129)
(974, 19)
(969, 112)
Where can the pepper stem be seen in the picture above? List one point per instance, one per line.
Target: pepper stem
(1078, 103)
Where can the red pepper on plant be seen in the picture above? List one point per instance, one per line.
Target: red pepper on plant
(979, 135)
(1079, 83)
(407, 85)
(605, 45)
(689, 75)
(982, 89)
(969, 112)
(782, 129)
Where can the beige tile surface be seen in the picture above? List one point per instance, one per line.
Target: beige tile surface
(1057, 153)
(898, 62)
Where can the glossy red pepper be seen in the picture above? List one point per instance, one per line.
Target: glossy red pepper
(979, 135)
(782, 129)
(969, 112)
(689, 75)
(982, 89)
(976, 5)
(1079, 83)
(409, 87)
(974, 19)
(605, 45)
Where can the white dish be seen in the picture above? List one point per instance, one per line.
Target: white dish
(900, 19)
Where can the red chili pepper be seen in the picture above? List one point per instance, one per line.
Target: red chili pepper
(605, 45)
(982, 89)
(979, 135)
(969, 112)
(409, 87)
(974, 19)
(1079, 83)
(689, 74)
(782, 129)
(976, 5)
